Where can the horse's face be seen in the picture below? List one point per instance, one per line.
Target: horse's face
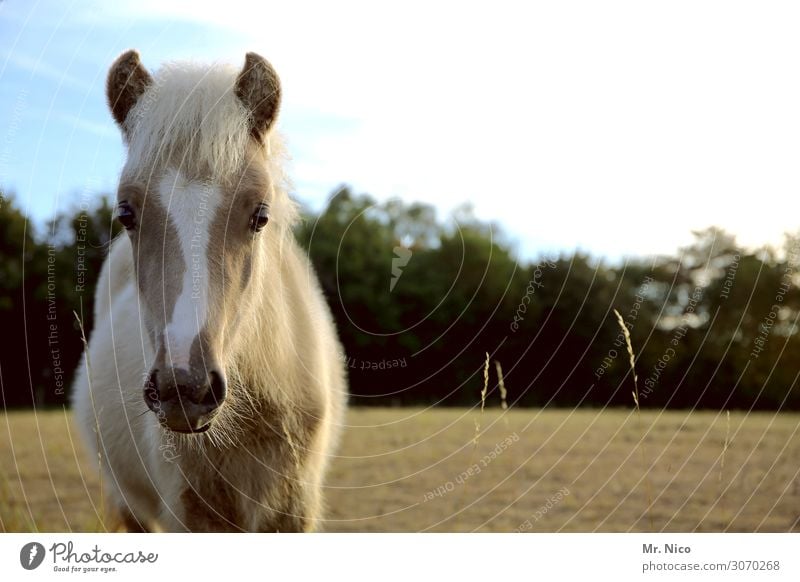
(194, 246)
(195, 235)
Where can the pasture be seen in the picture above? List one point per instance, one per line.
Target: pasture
(413, 469)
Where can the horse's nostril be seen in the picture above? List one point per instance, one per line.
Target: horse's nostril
(218, 387)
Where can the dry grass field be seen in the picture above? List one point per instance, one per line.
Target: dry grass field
(531, 470)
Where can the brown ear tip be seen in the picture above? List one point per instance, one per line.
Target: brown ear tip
(253, 60)
(130, 55)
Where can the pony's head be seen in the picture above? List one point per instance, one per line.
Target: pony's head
(202, 201)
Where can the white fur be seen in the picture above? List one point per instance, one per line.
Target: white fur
(191, 207)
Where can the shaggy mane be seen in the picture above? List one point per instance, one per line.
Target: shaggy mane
(191, 118)
(190, 111)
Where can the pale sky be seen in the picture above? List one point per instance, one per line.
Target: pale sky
(613, 127)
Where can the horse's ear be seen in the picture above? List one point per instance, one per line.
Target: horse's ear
(127, 80)
(259, 88)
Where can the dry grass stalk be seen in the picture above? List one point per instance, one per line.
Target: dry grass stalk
(501, 382)
(503, 391)
(483, 400)
(632, 360)
(727, 442)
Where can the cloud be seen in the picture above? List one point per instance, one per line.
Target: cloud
(39, 68)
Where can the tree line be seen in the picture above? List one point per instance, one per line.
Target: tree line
(420, 301)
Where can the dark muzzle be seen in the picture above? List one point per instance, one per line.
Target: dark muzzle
(185, 400)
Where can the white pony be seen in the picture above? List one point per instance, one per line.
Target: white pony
(212, 387)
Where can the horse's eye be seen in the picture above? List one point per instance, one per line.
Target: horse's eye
(126, 216)
(260, 218)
